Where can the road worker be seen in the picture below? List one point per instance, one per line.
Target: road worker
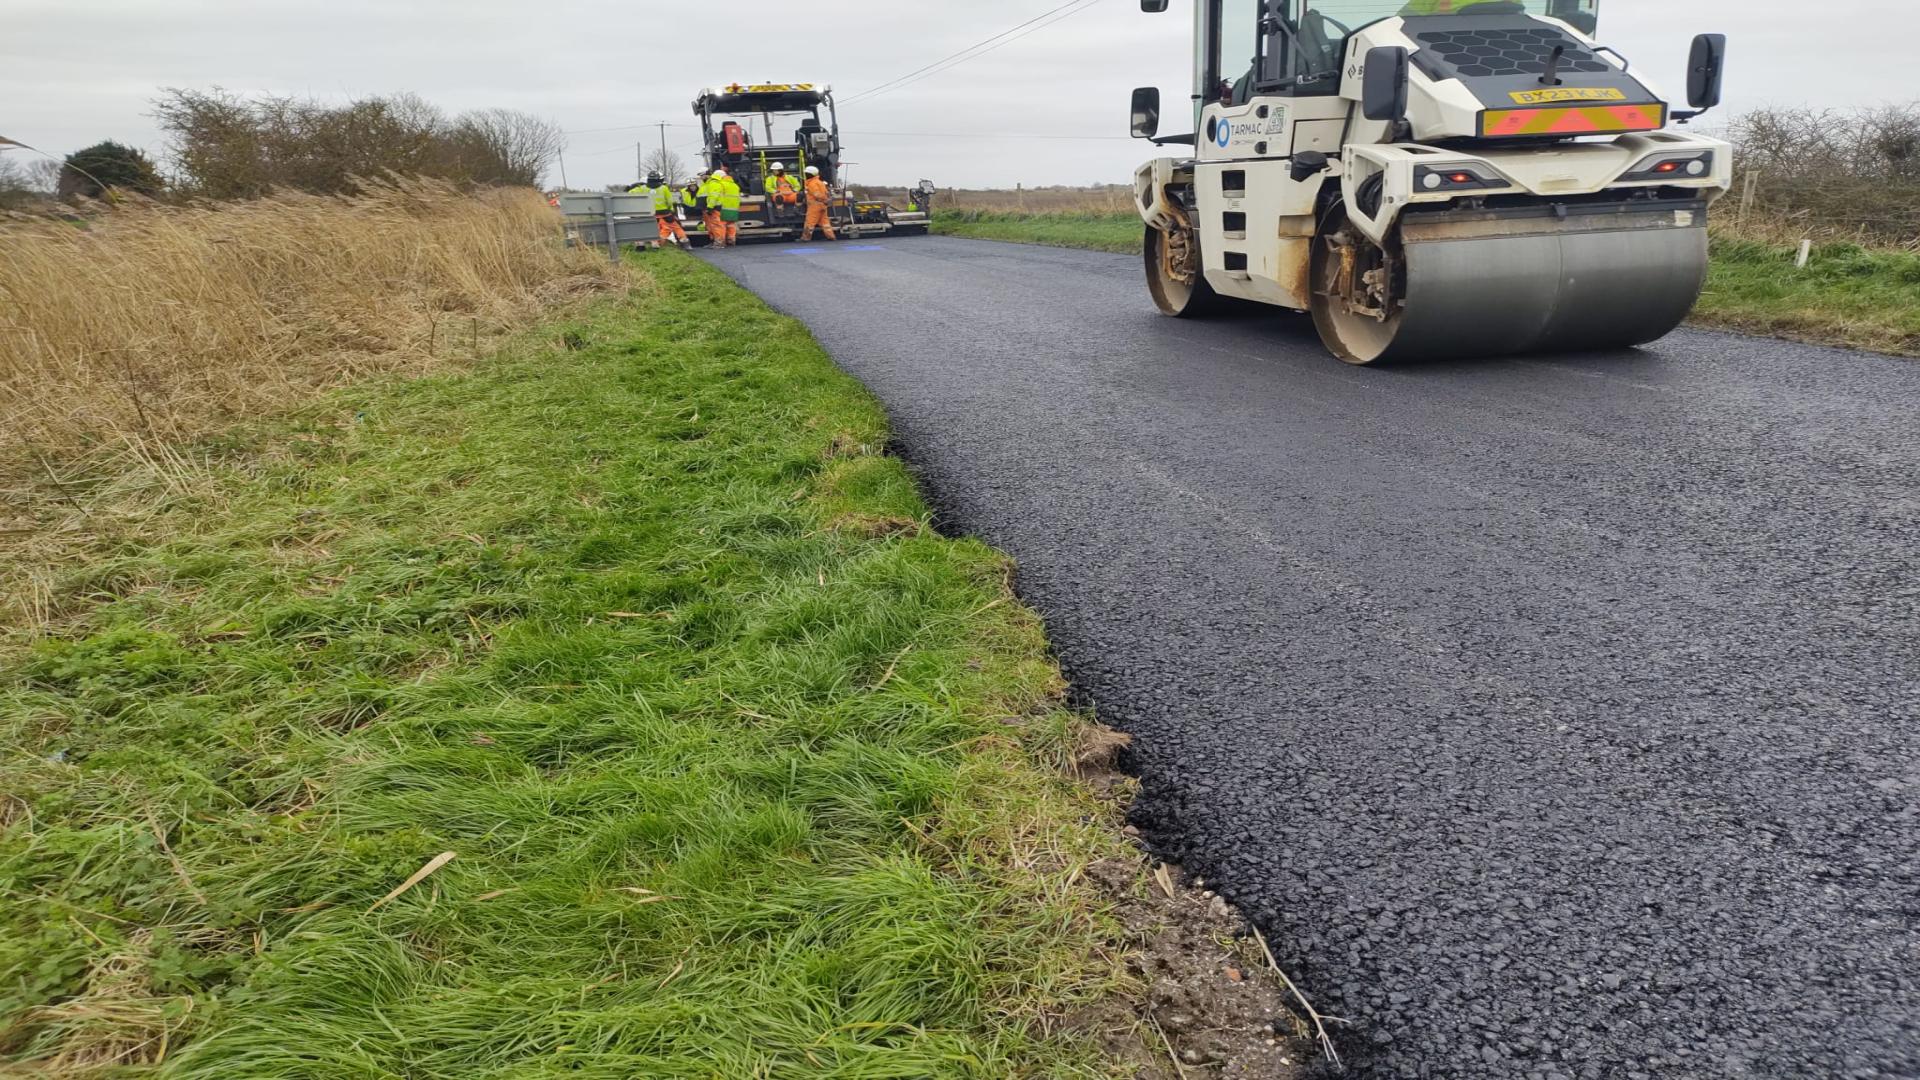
(708, 196)
(727, 190)
(819, 206)
(784, 190)
(666, 215)
(690, 196)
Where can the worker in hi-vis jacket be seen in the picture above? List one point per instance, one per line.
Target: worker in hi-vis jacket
(819, 203)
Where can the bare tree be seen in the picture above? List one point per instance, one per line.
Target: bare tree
(43, 174)
(1835, 173)
(669, 165)
(16, 185)
(229, 147)
(505, 146)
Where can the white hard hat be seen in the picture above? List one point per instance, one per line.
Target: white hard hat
(778, 167)
(719, 172)
(813, 170)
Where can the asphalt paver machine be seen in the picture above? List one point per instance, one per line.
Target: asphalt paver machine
(747, 129)
(1432, 178)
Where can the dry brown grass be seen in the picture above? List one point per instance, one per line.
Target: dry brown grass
(149, 324)
(126, 335)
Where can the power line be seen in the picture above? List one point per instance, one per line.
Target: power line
(1066, 10)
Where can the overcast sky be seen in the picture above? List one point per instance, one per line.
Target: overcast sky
(73, 72)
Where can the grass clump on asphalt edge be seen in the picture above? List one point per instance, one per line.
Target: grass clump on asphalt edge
(743, 769)
(1848, 295)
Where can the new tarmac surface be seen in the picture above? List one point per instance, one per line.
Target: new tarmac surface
(1555, 717)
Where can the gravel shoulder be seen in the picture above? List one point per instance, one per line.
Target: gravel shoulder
(1552, 714)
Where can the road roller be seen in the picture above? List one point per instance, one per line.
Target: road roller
(1431, 178)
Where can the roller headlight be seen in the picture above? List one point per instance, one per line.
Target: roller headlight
(1431, 178)
(1691, 166)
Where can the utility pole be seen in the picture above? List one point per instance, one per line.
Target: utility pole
(639, 160)
(665, 160)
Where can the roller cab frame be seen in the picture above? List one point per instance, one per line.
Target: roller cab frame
(746, 129)
(1434, 178)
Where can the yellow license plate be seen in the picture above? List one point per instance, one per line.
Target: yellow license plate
(1568, 93)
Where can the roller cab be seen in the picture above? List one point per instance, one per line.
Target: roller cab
(1433, 178)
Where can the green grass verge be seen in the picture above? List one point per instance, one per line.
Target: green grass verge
(1119, 233)
(1847, 296)
(742, 765)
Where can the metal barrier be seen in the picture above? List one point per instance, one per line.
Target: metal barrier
(609, 218)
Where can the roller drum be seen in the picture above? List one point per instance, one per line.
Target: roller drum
(1491, 286)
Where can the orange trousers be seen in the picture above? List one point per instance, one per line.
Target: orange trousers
(717, 230)
(670, 227)
(817, 218)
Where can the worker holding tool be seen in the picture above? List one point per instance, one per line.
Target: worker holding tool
(819, 205)
(784, 190)
(726, 190)
(665, 216)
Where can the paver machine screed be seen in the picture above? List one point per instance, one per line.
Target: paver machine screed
(1432, 178)
(746, 131)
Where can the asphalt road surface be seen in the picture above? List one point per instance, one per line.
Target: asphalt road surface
(1556, 717)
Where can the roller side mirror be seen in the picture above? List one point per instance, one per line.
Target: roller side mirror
(1146, 112)
(1706, 66)
(1383, 89)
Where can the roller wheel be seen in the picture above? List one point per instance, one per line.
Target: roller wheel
(1180, 299)
(1357, 292)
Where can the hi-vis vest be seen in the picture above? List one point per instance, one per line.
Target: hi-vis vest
(663, 199)
(1439, 7)
(726, 192)
(783, 182)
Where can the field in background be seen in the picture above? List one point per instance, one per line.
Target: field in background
(742, 770)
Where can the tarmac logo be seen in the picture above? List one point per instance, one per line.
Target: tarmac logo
(1223, 134)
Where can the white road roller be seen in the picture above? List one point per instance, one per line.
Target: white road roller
(1432, 178)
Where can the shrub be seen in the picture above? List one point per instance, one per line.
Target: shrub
(89, 173)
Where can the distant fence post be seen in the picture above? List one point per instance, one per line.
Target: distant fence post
(1747, 192)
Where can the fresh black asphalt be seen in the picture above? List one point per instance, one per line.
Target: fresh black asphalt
(1555, 717)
